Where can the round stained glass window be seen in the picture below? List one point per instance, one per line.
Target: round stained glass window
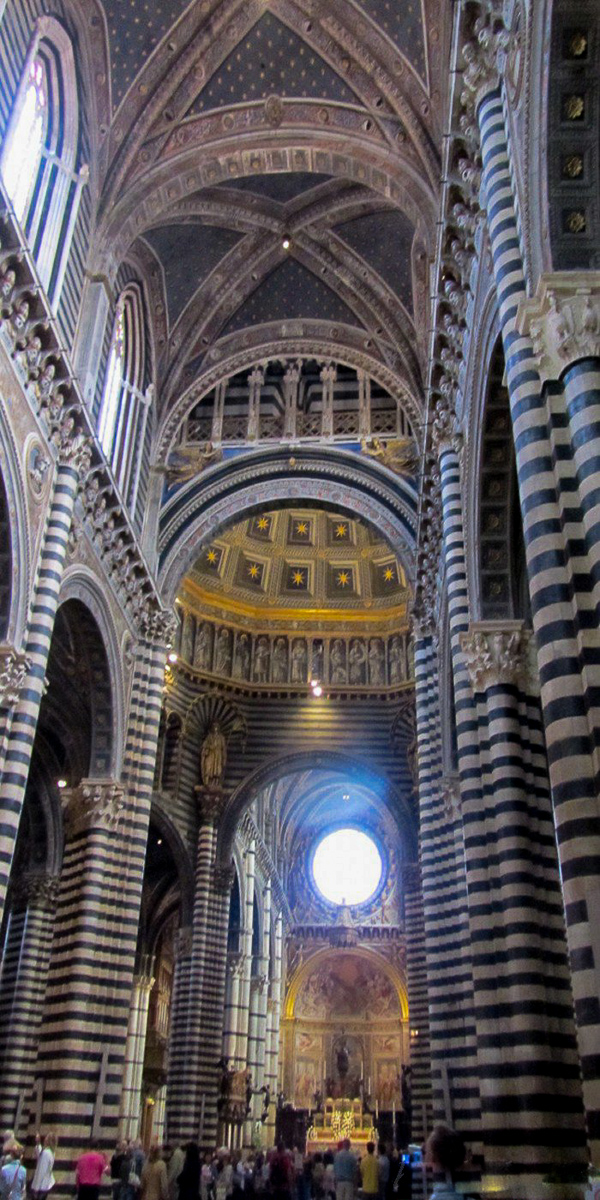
(347, 866)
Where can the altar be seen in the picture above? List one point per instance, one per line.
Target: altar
(339, 1119)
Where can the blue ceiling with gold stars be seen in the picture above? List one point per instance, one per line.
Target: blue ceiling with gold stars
(403, 23)
(271, 59)
(283, 187)
(384, 240)
(289, 293)
(199, 247)
(134, 30)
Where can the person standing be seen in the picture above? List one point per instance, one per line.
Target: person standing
(154, 1184)
(384, 1170)
(116, 1163)
(91, 1166)
(43, 1179)
(13, 1175)
(174, 1170)
(369, 1170)
(345, 1171)
(189, 1177)
(445, 1152)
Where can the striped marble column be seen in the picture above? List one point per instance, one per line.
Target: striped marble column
(246, 950)
(181, 1000)
(21, 723)
(131, 1094)
(418, 1004)
(447, 939)
(14, 669)
(23, 973)
(257, 1028)
(565, 629)
(531, 1101)
(213, 1003)
(236, 968)
(273, 1024)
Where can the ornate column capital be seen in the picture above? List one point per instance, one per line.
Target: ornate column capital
(445, 434)
(94, 804)
(562, 320)
(37, 890)
(237, 963)
(450, 794)
(183, 942)
(157, 625)
(484, 56)
(223, 878)
(212, 802)
(498, 652)
(14, 667)
(259, 984)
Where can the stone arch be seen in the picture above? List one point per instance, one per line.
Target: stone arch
(328, 955)
(288, 764)
(168, 830)
(345, 480)
(295, 339)
(78, 652)
(14, 541)
(80, 584)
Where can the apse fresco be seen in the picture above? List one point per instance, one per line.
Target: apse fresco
(347, 987)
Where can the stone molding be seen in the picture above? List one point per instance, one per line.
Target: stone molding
(562, 320)
(94, 804)
(500, 652)
(14, 668)
(37, 890)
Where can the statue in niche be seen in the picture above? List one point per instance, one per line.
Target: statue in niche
(213, 757)
(358, 658)
(395, 660)
(223, 653)
(280, 661)
(241, 660)
(187, 638)
(299, 656)
(261, 660)
(317, 660)
(337, 662)
(376, 661)
(343, 1061)
(203, 651)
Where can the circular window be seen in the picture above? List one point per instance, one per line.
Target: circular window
(347, 866)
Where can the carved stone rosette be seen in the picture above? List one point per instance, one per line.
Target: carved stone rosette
(562, 320)
(36, 890)
(95, 804)
(499, 652)
(14, 667)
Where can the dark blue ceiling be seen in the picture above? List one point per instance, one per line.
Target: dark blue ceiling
(271, 60)
(403, 23)
(290, 293)
(282, 188)
(188, 254)
(384, 240)
(134, 29)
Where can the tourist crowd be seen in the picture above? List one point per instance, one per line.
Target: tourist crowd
(184, 1173)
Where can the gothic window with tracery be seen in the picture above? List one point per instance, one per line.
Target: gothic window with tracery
(38, 162)
(124, 409)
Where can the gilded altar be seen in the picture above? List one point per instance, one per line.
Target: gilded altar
(343, 1118)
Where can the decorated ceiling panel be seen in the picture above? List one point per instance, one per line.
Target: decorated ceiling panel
(134, 31)
(283, 187)
(271, 60)
(384, 240)
(402, 21)
(199, 248)
(289, 293)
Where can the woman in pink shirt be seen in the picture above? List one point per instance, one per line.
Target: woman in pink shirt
(89, 1171)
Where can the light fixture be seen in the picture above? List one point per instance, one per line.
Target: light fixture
(317, 690)
(286, 243)
(61, 783)
(159, 841)
(346, 796)
(173, 656)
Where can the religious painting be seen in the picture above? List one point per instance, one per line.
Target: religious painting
(306, 1082)
(347, 986)
(387, 1087)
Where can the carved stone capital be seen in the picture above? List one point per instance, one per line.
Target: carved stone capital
(223, 878)
(37, 890)
(445, 434)
(562, 320)
(499, 652)
(259, 984)
(272, 1005)
(157, 626)
(450, 794)
(212, 802)
(183, 942)
(94, 804)
(237, 963)
(14, 667)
